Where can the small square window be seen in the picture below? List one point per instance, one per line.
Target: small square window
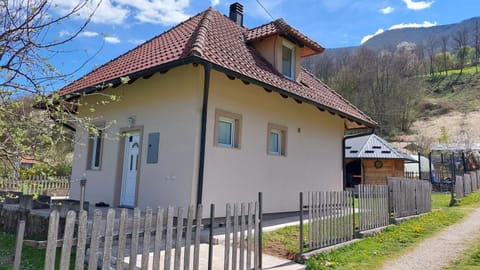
(95, 146)
(227, 129)
(275, 145)
(276, 140)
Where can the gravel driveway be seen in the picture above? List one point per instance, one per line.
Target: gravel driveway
(438, 251)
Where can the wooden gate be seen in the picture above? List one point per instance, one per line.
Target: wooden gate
(329, 216)
(372, 206)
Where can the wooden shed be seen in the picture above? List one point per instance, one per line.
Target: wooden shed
(370, 159)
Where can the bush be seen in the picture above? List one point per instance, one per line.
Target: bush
(42, 169)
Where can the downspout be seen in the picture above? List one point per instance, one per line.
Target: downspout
(344, 166)
(203, 132)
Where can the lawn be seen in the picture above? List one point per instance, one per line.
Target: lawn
(32, 258)
(372, 252)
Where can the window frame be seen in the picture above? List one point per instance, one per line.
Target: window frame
(95, 149)
(282, 143)
(292, 60)
(235, 120)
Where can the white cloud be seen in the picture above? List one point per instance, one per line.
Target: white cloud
(112, 40)
(399, 26)
(165, 12)
(367, 37)
(214, 2)
(387, 10)
(412, 25)
(418, 5)
(88, 34)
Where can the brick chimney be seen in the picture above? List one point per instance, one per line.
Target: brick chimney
(236, 13)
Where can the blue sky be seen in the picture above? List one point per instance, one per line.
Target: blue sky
(120, 25)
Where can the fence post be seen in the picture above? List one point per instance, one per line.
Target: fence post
(453, 179)
(210, 236)
(430, 168)
(83, 183)
(353, 207)
(260, 228)
(300, 253)
(419, 166)
(18, 245)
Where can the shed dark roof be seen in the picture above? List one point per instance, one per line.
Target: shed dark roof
(372, 147)
(212, 37)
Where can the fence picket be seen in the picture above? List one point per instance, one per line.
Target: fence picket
(18, 245)
(249, 235)
(132, 263)
(158, 239)
(242, 237)
(147, 230)
(235, 236)
(188, 237)
(196, 253)
(94, 241)
(122, 239)
(107, 246)
(67, 240)
(178, 240)
(168, 238)
(81, 240)
(228, 221)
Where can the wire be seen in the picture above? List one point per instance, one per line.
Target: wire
(258, 1)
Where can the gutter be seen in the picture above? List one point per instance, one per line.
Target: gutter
(344, 165)
(203, 132)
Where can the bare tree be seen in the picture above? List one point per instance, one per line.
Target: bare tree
(461, 41)
(444, 42)
(431, 48)
(476, 38)
(28, 77)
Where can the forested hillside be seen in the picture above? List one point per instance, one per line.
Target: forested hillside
(411, 81)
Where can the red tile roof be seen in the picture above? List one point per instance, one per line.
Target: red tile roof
(280, 27)
(213, 37)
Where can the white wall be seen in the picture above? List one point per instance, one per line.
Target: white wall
(314, 148)
(166, 103)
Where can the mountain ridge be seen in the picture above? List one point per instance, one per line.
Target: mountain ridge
(419, 35)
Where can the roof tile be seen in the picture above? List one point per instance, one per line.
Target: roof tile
(215, 38)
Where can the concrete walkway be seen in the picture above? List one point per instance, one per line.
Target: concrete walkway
(439, 250)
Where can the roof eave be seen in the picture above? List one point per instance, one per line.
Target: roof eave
(281, 91)
(115, 82)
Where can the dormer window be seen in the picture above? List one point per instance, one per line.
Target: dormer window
(288, 61)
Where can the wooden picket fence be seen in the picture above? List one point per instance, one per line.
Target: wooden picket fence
(466, 184)
(409, 197)
(41, 185)
(372, 207)
(155, 241)
(473, 175)
(329, 216)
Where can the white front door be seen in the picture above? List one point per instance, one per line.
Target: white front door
(131, 161)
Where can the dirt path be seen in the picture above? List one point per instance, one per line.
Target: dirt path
(438, 251)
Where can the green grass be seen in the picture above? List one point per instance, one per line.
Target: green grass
(372, 252)
(32, 258)
(470, 258)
